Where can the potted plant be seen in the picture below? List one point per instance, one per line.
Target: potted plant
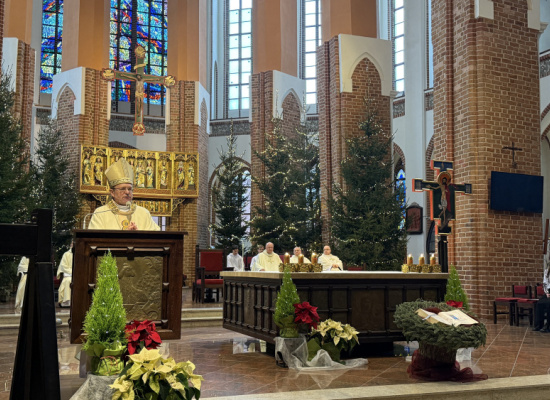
(142, 334)
(284, 307)
(333, 337)
(105, 321)
(149, 376)
(455, 295)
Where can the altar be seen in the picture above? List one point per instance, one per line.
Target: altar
(364, 299)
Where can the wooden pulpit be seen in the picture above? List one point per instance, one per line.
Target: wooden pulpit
(150, 273)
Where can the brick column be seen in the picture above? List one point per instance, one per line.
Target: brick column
(486, 96)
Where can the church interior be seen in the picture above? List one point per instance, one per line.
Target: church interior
(460, 85)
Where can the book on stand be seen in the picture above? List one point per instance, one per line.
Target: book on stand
(454, 317)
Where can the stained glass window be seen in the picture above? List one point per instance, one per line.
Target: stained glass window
(138, 22)
(238, 56)
(52, 28)
(311, 39)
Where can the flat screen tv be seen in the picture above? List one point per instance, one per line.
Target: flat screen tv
(516, 192)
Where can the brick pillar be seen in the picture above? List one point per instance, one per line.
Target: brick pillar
(341, 111)
(486, 96)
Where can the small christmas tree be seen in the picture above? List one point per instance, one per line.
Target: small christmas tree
(284, 307)
(105, 322)
(454, 289)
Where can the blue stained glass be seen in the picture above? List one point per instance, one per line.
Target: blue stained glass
(155, 59)
(47, 59)
(125, 42)
(59, 49)
(50, 57)
(112, 43)
(143, 31)
(49, 6)
(156, 71)
(48, 31)
(47, 44)
(60, 20)
(144, 43)
(126, 29)
(45, 86)
(142, 18)
(47, 71)
(125, 16)
(156, 33)
(124, 54)
(156, 7)
(156, 21)
(143, 6)
(125, 66)
(48, 19)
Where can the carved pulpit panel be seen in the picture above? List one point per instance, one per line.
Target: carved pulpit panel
(150, 268)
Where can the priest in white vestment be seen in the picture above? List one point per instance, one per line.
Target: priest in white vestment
(234, 260)
(295, 257)
(254, 262)
(268, 260)
(329, 261)
(22, 270)
(120, 213)
(65, 268)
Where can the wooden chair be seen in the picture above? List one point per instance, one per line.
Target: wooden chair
(525, 306)
(208, 265)
(511, 302)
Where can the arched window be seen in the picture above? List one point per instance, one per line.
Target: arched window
(400, 184)
(138, 22)
(398, 40)
(311, 38)
(51, 46)
(238, 56)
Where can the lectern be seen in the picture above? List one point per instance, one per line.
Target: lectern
(150, 272)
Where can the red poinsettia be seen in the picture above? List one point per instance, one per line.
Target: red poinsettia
(142, 334)
(455, 304)
(306, 314)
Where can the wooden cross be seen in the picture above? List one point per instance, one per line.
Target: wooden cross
(140, 78)
(513, 148)
(442, 195)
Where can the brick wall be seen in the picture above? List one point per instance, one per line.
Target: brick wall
(486, 95)
(182, 134)
(203, 202)
(24, 88)
(2, 4)
(341, 113)
(291, 115)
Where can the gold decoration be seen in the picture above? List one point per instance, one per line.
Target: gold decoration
(436, 268)
(303, 267)
(405, 268)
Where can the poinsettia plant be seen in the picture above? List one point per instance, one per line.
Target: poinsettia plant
(455, 304)
(306, 314)
(142, 334)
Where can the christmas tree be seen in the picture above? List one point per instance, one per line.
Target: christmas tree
(105, 321)
(366, 211)
(284, 307)
(291, 212)
(54, 185)
(230, 197)
(454, 289)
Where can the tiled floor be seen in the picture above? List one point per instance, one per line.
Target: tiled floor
(510, 352)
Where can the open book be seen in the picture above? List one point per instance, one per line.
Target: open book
(454, 317)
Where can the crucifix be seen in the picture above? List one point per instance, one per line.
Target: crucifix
(140, 78)
(513, 148)
(442, 199)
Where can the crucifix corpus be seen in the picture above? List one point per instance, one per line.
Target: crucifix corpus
(140, 78)
(442, 195)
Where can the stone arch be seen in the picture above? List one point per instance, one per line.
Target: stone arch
(292, 114)
(398, 155)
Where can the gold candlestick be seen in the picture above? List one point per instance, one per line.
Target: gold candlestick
(432, 259)
(421, 259)
(287, 258)
(410, 260)
(301, 259)
(313, 258)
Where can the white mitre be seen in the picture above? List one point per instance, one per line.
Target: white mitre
(120, 172)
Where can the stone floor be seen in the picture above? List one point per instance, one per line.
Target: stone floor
(233, 364)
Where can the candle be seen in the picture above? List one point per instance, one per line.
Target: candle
(287, 258)
(301, 259)
(432, 259)
(410, 260)
(421, 259)
(313, 258)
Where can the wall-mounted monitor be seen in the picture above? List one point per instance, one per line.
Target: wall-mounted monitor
(516, 192)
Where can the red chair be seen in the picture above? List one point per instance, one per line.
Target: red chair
(525, 306)
(208, 265)
(511, 302)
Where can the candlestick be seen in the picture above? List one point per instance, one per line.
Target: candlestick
(421, 259)
(432, 259)
(313, 258)
(410, 260)
(301, 259)
(287, 258)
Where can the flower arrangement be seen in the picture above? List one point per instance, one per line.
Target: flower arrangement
(333, 337)
(105, 321)
(306, 314)
(142, 334)
(149, 376)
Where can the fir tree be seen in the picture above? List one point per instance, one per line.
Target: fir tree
(105, 321)
(286, 298)
(291, 212)
(454, 289)
(366, 211)
(230, 198)
(54, 185)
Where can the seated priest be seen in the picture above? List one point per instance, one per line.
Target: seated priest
(254, 263)
(22, 270)
(329, 261)
(296, 255)
(542, 310)
(234, 260)
(268, 260)
(65, 268)
(120, 213)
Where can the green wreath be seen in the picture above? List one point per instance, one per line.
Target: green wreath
(440, 335)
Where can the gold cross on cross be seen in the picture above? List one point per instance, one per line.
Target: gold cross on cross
(140, 78)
